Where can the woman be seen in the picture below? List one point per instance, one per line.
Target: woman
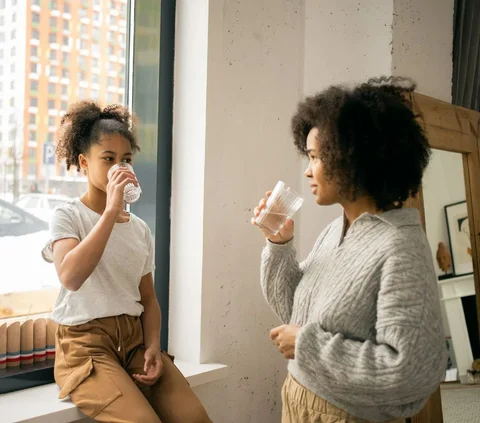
(108, 357)
(361, 314)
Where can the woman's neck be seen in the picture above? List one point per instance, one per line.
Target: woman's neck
(353, 210)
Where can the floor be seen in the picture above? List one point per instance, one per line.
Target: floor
(461, 403)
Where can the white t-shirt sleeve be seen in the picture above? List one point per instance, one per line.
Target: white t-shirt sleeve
(62, 226)
(150, 263)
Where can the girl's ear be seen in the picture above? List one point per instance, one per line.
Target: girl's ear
(82, 160)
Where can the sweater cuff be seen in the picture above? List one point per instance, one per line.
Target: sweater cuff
(272, 247)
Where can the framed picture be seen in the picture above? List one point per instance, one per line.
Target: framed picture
(459, 238)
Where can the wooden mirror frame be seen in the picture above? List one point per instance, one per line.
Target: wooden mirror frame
(454, 129)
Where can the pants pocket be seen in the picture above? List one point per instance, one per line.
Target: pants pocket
(90, 388)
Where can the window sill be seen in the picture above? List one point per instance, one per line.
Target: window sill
(45, 407)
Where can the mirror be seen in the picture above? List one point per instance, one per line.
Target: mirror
(448, 232)
(449, 203)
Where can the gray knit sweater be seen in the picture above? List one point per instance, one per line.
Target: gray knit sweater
(371, 340)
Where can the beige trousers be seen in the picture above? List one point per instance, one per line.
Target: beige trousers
(94, 366)
(303, 406)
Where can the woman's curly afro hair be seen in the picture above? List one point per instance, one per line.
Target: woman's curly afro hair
(370, 141)
(83, 125)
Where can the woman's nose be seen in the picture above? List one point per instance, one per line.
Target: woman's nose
(308, 172)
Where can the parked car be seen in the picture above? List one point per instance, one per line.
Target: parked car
(15, 221)
(41, 205)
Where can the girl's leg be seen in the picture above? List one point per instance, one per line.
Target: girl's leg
(171, 397)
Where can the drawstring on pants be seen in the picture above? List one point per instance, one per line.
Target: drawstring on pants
(119, 334)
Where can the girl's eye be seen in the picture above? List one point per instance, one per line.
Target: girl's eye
(128, 160)
(108, 159)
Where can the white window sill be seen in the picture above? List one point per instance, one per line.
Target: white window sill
(45, 407)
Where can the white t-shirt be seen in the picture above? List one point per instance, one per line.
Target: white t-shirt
(113, 287)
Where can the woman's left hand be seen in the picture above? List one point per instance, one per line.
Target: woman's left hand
(285, 338)
(153, 367)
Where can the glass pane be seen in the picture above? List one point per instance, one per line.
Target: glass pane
(448, 232)
(32, 182)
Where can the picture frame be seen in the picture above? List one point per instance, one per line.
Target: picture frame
(458, 227)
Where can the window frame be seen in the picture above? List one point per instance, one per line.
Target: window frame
(23, 378)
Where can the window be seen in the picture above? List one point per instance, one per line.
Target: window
(32, 169)
(13, 35)
(111, 82)
(112, 20)
(111, 50)
(10, 218)
(51, 56)
(1, 54)
(14, 17)
(12, 68)
(96, 34)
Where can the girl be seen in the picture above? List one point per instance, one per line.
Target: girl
(362, 316)
(108, 340)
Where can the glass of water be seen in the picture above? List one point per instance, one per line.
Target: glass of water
(131, 192)
(282, 204)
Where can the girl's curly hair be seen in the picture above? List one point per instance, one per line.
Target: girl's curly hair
(83, 125)
(370, 140)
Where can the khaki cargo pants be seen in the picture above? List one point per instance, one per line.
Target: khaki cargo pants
(303, 406)
(94, 366)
